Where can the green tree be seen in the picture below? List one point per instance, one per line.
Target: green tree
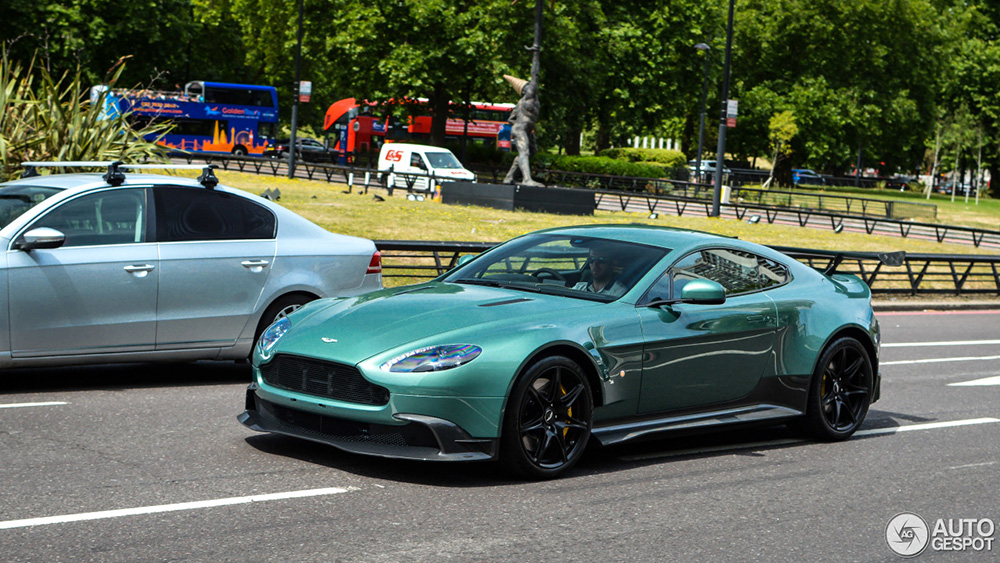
(858, 74)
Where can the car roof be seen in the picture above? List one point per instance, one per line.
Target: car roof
(652, 235)
(88, 181)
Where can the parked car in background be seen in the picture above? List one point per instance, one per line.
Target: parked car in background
(309, 150)
(806, 176)
(527, 352)
(960, 188)
(126, 267)
(707, 167)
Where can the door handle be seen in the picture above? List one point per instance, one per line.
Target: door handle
(756, 319)
(254, 265)
(140, 270)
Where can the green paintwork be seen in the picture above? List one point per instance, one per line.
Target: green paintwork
(641, 360)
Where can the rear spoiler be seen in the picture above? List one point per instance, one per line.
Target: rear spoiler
(836, 257)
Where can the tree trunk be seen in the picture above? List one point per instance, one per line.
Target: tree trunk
(439, 103)
(603, 138)
(572, 141)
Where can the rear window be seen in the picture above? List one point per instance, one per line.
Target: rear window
(15, 200)
(188, 214)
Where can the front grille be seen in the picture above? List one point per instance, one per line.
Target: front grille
(323, 379)
(349, 431)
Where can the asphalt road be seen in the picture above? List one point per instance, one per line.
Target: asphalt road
(148, 463)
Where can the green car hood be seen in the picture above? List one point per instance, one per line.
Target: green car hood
(354, 329)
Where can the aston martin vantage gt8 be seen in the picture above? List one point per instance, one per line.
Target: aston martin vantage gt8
(533, 349)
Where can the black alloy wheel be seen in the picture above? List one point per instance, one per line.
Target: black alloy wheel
(548, 419)
(841, 391)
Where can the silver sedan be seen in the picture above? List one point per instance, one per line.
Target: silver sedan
(139, 267)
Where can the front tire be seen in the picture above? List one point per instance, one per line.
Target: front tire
(548, 419)
(840, 392)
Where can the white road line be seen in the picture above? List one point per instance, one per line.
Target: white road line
(23, 405)
(928, 426)
(783, 442)
(951, 343)
(939, 360)
(977, 382)
(968, 465)
(168, 508)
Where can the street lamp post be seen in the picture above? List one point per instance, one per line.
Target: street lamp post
(720, 158)
(295, 100)
(704, 97)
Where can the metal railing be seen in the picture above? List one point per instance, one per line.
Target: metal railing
(644, 194)
(920, 274)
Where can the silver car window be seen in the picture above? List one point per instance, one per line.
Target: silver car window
(189, 214)
(15, 200)
(102, 218)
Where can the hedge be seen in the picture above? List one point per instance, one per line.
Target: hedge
(666, 157)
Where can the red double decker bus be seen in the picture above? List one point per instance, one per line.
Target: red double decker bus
(356, 127)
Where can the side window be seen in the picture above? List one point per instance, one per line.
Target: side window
(107, 217)
(736, 270)
(187, 214)
(417, 162)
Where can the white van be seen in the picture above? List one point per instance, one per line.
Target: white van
(415, 166)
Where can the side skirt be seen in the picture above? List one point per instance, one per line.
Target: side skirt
(618, 433)
(773, 399)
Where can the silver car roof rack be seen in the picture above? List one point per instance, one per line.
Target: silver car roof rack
(115, 176)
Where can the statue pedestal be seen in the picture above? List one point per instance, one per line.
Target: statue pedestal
(564, 201)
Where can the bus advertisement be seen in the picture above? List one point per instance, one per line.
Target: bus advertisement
(357, 130)
(208, 117)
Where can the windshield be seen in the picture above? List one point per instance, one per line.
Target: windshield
(443, 160)
(15, 200)
(580, 267)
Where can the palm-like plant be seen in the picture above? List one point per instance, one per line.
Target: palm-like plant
(44, 118)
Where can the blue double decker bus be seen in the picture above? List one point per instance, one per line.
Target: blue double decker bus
(207, 117)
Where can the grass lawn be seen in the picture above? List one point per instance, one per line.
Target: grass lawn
(397, 218)
(984, 215)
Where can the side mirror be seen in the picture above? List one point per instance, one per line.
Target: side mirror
(703, 292)
(40, 238)
(463, 260)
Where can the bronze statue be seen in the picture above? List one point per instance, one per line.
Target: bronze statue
(522, 133)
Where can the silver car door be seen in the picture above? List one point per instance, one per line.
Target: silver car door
(216, 252)
(94, 294)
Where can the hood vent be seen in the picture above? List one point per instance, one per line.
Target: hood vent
(506, 302)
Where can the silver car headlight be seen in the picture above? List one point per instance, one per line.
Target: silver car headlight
(433, 358)
(269, 339)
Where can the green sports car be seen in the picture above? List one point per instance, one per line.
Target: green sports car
(527, 352)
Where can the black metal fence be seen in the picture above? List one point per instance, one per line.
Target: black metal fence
(920, 274)
(654, 195)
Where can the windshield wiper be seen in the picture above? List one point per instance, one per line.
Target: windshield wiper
(489, 283)
(504, 284)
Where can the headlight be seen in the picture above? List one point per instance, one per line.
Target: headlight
(272, 335)
(433, 358)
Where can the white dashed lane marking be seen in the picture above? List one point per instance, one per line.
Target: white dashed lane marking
(26, 405)
(48, 520)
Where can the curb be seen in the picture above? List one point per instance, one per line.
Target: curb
(879, 305)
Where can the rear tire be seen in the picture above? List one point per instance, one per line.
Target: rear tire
(548, 419)
(840, 392)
